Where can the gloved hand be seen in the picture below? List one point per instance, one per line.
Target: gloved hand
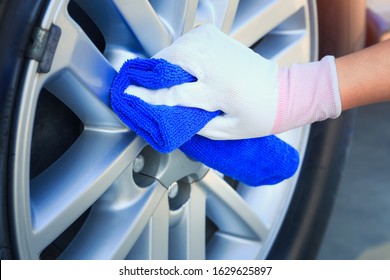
(256, 97)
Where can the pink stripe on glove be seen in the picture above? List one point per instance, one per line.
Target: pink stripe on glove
(307, 93)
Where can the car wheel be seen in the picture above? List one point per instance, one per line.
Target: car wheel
(77, 184)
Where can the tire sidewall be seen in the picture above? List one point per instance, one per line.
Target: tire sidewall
(17, 18)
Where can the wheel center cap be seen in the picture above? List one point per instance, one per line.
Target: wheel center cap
(167, 168)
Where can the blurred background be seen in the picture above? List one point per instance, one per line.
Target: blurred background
(359, 227)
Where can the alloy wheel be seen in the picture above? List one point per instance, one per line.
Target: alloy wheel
(103, 193)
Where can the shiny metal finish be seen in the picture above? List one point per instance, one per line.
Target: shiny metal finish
(135, 202)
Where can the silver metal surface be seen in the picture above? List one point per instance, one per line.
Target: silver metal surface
(164, 209)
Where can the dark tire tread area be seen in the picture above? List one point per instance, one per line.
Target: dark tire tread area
(310, 208)
(17, 17)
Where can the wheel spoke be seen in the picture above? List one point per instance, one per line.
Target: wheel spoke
(226, 246)
(289, 42)
(123, 214)
(80, 76)
(288, 48)
(140, 14)
(298, 48)
(66, 190)
(229, 211)
(187, 234)
(220, 12)
(83, 102)
(238, 225)
(179, 15)
(230, 8)
(256, 18)
(153, 241)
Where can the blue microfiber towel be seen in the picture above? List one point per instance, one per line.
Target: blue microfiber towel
(255, 162)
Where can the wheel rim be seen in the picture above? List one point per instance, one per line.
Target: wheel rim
(97, 188)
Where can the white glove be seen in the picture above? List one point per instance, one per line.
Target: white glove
(241, 83)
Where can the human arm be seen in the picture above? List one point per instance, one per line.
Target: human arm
(364, 76)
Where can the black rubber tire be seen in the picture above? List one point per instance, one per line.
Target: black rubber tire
(17, 18)
(309, 210)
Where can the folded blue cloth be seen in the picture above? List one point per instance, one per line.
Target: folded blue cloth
(257, 161)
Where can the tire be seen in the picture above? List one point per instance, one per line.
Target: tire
(50, 212)
(17, 19)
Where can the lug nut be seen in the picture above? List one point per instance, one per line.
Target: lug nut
(138, 163)
(173, 190)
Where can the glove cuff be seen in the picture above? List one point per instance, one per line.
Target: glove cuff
(307, 93)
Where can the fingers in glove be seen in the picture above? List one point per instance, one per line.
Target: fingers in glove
(187, 95)
(220, 128)
(188, 59)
